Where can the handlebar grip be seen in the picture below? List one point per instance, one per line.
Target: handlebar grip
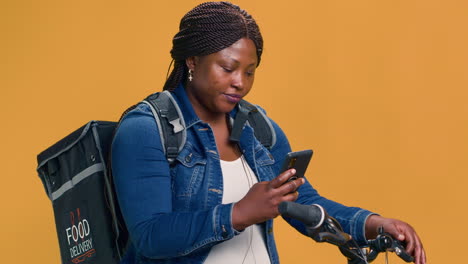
(311, 215)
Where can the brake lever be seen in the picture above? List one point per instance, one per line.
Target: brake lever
(399, 249)
(385, 242)
(331, 232)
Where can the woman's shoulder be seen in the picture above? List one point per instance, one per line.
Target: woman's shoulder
(139, 110)
(141, 114)
(139, 123)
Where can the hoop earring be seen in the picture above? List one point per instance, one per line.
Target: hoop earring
(190, 76)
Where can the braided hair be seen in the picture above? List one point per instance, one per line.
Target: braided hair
(209, 28)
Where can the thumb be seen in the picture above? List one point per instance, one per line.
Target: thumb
(400, 237)
(395, 230)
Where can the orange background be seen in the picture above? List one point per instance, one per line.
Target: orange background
(377, 88)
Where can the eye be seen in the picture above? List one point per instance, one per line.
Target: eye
(250, 72)
(227, 69)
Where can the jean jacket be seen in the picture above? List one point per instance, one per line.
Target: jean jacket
(174, 213)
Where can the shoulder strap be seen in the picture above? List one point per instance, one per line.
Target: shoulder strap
(170, 123)
(262, 126)
(172, 127)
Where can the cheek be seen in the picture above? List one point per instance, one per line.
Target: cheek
(250, 85)
(203, 81)
(252, 82)
(218, 80)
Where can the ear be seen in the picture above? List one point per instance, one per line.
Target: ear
(191, 62)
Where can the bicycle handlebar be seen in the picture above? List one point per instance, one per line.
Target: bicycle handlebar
(330, 231)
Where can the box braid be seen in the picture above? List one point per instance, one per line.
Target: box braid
(209, 28)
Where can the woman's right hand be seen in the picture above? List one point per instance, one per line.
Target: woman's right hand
(262, 200)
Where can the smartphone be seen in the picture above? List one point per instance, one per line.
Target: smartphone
(298, 160)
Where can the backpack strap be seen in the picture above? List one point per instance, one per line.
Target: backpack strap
(261, 124)
(172, 126)
(170, 123)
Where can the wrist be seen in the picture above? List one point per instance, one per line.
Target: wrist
(237, 219)
(372, 224)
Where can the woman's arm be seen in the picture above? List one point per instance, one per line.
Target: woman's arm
(143, 186)
(352, 219)
(360, 223)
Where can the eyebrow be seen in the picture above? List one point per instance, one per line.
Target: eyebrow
(236, 61)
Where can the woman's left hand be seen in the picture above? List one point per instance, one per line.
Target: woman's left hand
(399, 230)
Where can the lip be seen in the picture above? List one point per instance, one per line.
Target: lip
(233, 98)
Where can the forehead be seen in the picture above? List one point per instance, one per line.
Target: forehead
(242, 51)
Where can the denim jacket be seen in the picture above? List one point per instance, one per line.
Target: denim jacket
(174, 213)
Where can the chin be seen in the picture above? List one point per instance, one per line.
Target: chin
(226, 107)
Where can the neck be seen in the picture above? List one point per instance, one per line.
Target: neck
(203, 112)
(211, 117)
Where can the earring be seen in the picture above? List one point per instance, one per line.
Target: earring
(190, 76)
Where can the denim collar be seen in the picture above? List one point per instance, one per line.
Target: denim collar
(190, 117)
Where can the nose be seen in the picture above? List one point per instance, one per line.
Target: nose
(238, 80)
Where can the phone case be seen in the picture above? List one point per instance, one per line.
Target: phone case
(298, 160)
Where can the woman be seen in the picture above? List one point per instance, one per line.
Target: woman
(217, 202)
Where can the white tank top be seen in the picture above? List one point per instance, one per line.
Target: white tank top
(249, 246)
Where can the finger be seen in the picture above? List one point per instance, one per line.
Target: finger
(395, 230)
(423, 256)
(419, 251)
(291, 186)
(404, 233)
(410, 239)
(417, 255)
(282, 178)
(291, 197)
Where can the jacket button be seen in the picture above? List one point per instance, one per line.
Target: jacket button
(224, 234)
(188, 158)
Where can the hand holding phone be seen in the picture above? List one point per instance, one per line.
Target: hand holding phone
(299, 160)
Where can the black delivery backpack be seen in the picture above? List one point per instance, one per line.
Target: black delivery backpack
(74, 174)
(78, 179)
